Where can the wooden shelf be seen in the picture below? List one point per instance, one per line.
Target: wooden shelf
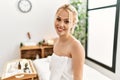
(30, 52)
(29, 47)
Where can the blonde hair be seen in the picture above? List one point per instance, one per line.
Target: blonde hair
(72, 9)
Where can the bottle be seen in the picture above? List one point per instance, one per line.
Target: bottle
(19, 65)
(37, 56)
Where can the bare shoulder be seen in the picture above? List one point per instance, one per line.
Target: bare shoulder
(77, 44)
(77, 49)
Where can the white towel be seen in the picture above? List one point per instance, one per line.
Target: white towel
(54, 68)
(61, 68)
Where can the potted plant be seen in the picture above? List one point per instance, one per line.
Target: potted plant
(80, 29)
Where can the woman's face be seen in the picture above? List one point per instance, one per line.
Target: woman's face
(63, 22)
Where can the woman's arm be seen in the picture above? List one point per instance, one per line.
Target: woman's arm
(78, 58)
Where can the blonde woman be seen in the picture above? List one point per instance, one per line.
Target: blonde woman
(68, 58)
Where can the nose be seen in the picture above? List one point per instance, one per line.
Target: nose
(61, 24)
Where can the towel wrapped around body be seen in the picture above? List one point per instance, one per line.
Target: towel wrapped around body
(54, 68)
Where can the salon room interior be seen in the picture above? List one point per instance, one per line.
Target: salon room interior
(102, 40)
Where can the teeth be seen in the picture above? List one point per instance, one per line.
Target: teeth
(61, 28)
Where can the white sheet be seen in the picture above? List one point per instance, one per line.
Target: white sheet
(42, 66)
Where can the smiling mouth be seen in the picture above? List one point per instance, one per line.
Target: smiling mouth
(60, 29)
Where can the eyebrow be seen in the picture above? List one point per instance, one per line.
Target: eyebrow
(64, 19)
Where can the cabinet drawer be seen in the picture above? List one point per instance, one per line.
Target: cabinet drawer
(30, 54)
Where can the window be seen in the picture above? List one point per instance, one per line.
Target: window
(102, 32)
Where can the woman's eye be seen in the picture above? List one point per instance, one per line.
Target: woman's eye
(58, 19)
(66, 22)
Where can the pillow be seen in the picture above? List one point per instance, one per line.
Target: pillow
(42, 68)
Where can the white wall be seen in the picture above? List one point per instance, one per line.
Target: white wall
(111, 75)
(14, 25)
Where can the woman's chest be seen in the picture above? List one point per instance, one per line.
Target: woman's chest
(62, 50)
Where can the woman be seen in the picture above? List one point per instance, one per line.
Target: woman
(68, 58)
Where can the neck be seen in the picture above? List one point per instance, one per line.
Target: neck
(64, 38)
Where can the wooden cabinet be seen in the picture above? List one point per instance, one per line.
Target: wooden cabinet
(32, 52)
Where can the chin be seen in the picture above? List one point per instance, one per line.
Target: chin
(60, 34)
